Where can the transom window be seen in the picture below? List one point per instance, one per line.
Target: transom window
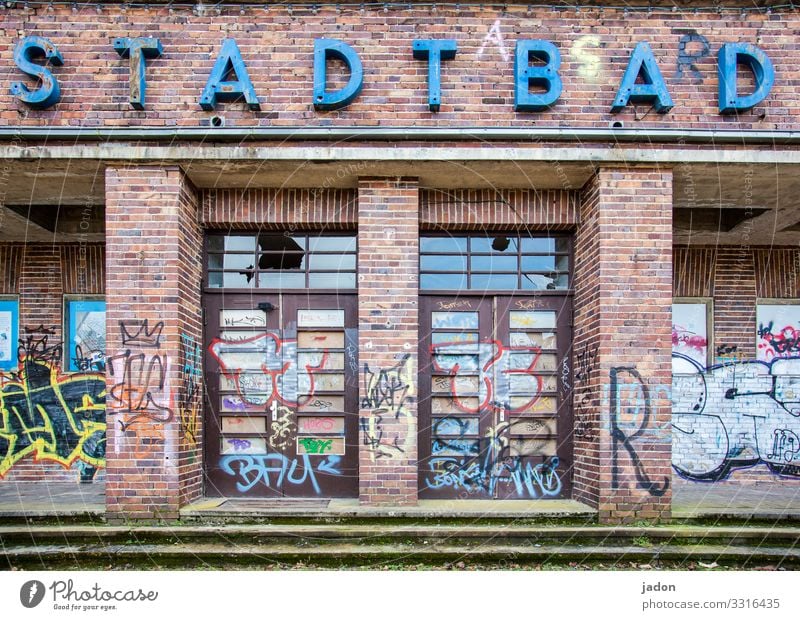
(499, 262)
(279, 260)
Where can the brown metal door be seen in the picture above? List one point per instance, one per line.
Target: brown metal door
(282, 395)
(495, 418)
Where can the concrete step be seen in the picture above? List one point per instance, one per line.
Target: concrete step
(464, 535)
(344, 555)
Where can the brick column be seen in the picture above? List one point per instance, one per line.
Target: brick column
(153, 269)
(388, 337)
(622, 346)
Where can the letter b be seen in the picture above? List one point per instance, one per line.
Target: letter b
(527, 75)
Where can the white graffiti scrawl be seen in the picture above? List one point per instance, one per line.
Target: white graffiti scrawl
(264, 369)
(735, 415)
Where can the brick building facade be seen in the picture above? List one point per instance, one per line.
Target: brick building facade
(494, 281)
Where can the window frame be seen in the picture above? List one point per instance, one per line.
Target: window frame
(708, 302)
(11, 303)
(770, 301)
(307, 272)
(68, 327)
(566, 237)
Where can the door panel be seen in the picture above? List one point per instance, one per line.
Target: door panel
(282, 395)
(493, 423)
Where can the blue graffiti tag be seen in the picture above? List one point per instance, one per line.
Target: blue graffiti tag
(253, 469)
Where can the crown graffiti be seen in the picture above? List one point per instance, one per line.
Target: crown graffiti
(139, 333)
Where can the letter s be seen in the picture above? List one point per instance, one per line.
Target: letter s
(48, 93)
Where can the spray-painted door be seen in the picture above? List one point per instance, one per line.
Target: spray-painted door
(494, 414)
(282, 396)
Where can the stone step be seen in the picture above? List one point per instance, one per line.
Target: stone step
(375, 555)
(465, 535)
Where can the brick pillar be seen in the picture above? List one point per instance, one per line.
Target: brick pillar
(388, 337)
(622, 346)
(153, 325)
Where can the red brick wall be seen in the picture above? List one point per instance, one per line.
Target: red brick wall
(153, 279)
(477, 85)
(388, 337)
(41, 274)
(491, 209)
(263, 209)
(622, 325)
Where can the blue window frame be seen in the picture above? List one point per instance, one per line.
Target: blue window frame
(86, 328)
(9, 333)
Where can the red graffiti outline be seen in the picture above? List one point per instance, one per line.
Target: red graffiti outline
(500, 350)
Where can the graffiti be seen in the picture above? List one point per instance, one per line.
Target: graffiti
(239, 444)
(686, 59)
(388, 388)
(630, 407)
(501, 370)
(319, 404)
(486, 465)
(319, 425)
(565, 376)
(283, 428)
(139, 333)
(785, 343)
(725, 350)
(454, 305)
(36, 345)
(527, 304)
(495, 37)
(140, 389)
(735, 415)
(89, 360)
(589, 63)
(273, 470)
(315, 446)
(52, 417)
(190, 378)
(389, 426)
(585, 364)
(352, 358)
(524, 479)
(263, 369)
(687, 338)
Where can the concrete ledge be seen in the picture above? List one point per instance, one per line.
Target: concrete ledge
(457, 509)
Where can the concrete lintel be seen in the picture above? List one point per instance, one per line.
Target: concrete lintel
(595, 155)
(15, 227)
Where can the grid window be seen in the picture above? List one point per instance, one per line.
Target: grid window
(499, 262)
(278, 260)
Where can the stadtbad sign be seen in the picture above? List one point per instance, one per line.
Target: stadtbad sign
(537, 81)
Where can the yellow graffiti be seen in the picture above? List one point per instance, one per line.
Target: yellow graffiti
(48, 415)
(190, 423)
(589, 63)
(283, 429)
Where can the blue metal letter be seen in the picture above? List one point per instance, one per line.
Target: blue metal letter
(731, 55)
(48, 93)
(434, 52)
(653, 90)
(137, 50)
(325, 49)
(218, 89)
(545, 76)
